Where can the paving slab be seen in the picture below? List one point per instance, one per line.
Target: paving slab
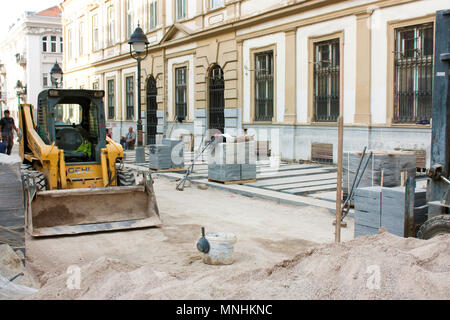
(309, 183)
(289, 183)
(292, 173)
(270, 195)
(247, 190)
(327, 195)
(311, 189)
(278, 181)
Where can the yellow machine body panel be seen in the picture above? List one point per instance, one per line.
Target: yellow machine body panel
(80, 196)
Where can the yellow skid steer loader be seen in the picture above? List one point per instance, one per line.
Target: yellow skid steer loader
(74, 180)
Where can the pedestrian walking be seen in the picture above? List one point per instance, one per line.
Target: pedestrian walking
(6, 128)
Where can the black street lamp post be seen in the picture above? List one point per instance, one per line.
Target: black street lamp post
(138, 42)
(56, 75)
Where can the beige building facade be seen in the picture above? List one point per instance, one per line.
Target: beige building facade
(283, 70)
(28, 52)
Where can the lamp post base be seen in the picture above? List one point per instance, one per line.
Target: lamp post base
(140, 154)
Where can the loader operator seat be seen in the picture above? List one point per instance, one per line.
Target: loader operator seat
(69, 139)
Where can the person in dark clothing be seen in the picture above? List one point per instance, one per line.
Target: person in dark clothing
(6, 128)
(123, 142)
(2, 146)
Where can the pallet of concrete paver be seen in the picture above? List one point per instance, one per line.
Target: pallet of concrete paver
(246, 152)
(248, 171)
(10, 183)
(361, 231)
(376, 207)
(11, 202)
(224, 153)
(233, 161)
(421, 157)
(234, 152)
(393, 209)
(160, 156)
(176, 152)
(367, 208)
(367, 199)
(224, 172)
(390, 165)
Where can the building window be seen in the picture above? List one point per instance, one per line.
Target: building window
(215, 4)
(181, 9)
(111, 99)
(130, 18)
(180, 92)
(413, 79)
(152, 14)
(60, 44)
(130, 97)
(70, 44)
(95, 32)
(53, 43)
(111, 25)
(44, 44)
(95, 86)
(326, 80)
(45, 80)
(264, 86)
(81, 38)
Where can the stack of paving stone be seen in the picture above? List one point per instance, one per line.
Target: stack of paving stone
(377, 206)
(392, 163)
(233, 161)
(176, 151)
(160, 156)
(248, 167)
(11, 202)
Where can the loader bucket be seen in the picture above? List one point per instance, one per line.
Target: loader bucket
(74, 211)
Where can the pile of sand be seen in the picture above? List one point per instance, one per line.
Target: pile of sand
(383, 266)
(15, 280)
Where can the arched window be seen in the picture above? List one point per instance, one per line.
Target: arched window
(152, 107)
(44, 44)
(216, 99)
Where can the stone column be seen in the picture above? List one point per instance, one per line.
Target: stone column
(363, 68)
(290, 112)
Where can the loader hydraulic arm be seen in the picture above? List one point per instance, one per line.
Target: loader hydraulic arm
(33, 149)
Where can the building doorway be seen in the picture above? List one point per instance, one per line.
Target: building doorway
(216, 99)
(152, 107)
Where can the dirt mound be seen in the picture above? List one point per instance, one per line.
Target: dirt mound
(11, 266)
(383, 266)
(15, 281)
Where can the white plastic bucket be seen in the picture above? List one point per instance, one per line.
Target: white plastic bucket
(221, 248)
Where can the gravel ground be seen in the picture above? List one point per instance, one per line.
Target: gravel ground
(283, 252)
(267, 233)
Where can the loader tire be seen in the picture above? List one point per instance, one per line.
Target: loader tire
(126, 177)
(28, 171)
(434, 226)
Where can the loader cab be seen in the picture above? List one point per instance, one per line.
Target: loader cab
(75, 121)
